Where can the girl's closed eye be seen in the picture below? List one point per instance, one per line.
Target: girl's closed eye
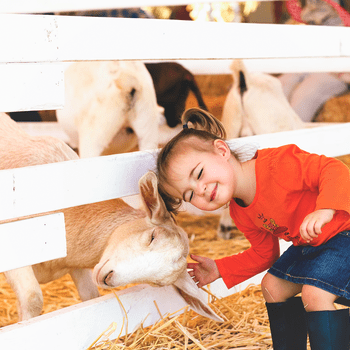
(198, 177)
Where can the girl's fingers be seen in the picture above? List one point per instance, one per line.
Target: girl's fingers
(305, 236)
(309, 230)
(197, 258)
(318, 227)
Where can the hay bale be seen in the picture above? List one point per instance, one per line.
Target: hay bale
(336, 109)
(214, 84)
(214, 89)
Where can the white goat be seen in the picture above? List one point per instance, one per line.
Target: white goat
(123, 245)
(256, 104)
(102, 98)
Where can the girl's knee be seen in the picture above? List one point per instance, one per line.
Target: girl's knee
(316, 299)
(276, 290)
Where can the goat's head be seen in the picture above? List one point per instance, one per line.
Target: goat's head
(151, 249)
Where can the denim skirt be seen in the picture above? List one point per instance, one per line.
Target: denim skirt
(326, 266)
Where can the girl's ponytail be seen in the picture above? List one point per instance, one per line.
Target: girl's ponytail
(199, 119)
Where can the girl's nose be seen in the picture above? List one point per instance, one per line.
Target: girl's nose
(200, 189)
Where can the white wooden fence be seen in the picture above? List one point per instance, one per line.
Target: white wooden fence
(33, 50)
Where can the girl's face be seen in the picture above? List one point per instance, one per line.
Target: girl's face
(203, 178)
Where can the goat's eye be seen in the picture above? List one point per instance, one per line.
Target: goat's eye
(152, 237)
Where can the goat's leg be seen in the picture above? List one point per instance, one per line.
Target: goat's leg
(82, 279)
(28, 292)
(226, 225)
(97, 135)
(146, 125)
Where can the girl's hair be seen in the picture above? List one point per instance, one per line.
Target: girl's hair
(199, 124)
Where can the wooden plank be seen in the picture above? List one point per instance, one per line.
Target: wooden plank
(29, 86)
(67, 38)
(28, 38)
(77, 326)
(86, 38)
(330, 140)
(67, 184)
(31, 241)
(271, 65)
(61, 185)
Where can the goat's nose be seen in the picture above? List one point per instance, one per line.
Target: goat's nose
(108, 278)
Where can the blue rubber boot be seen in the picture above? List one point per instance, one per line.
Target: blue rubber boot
(329, 330)
(288, 324)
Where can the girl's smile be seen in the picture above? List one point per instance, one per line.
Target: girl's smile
(213, 194)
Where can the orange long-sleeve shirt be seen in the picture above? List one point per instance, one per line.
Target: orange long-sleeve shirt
(290, 184)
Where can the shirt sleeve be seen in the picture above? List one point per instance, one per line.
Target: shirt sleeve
(334, 186)
(264, 251)
(328, 176)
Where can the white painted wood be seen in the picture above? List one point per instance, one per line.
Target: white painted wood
(28, 38)
(67, 38)
(85, 38)
(92, 180)
(71, 183)
(330, 140)
(29, 86)
(31, 241)
(270, 65)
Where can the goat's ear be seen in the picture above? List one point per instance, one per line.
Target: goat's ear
(153, 203)
(195, 297)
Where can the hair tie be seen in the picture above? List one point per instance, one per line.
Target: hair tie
(185, 126)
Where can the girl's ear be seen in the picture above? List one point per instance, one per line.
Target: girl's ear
(222, 147)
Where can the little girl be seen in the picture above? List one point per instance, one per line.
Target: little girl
(281, 193)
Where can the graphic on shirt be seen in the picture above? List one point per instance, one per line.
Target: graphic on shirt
(272, 226)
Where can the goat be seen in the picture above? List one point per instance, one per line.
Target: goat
(172, 83)
(103, 97)
(121, 244)
(255, 104)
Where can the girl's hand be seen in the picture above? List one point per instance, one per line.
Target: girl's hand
(313, 223)
(204, 271)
